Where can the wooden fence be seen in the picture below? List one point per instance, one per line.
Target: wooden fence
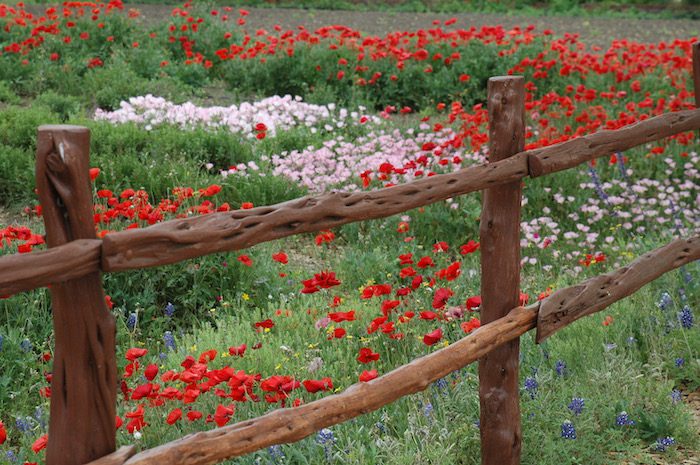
(84, 384)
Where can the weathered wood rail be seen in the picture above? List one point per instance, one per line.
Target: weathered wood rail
(81, 426)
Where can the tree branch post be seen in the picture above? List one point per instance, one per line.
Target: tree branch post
(501, 431)
(84, 382)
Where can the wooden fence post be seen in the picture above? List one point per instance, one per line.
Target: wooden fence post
(696, 72)
(501, 432)
(84, 383)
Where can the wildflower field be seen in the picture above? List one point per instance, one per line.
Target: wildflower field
(198, 114)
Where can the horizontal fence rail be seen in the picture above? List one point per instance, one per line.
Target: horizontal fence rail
(293, 424)
(180, 239)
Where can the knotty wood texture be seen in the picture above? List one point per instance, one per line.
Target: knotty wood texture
(177, 240)
(84, 383)
(24, 272)
(500, 428)
(568, 305)
(582, 149)
(293, 424)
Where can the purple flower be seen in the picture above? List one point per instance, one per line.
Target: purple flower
(531, 386)
(623, 419)
(576, 405)
(567, 430)
(560, 367)
(662, 444)
(685, 317)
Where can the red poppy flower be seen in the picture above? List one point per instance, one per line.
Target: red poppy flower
(238, 351)
(134, 353)
(342, 316)
(338, 333)
(389, 305)
(280, 257)
(265, 324)
(473, 302)
(223, 414)
(366, 376)
(441, 246)
(425, 262)
(432, 337)
(441, 297)
(151, 371)
(469, 247)
(3, 433)
(366, 355)
(194, 415)
(469, 326)
(428, 315)
(245, 259)
(40, 444)
(314, 385)
(174, 416)
(375, 291)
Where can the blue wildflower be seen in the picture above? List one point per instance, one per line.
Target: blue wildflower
(11, 456)
(560, 367)
(26, 345)
(325, 437)
(623, 419)
(685, 317)
(662, 444)
(169, 310)
(680, 361)
(169, 340)
(531, 386)
(2, 339)
(23, 425)
(132, 321)
(665, 301)
(441, 384)
(276, 452)
(576, 405)
(675, 396)
(427, 409)
(380, 426)
(567, 430)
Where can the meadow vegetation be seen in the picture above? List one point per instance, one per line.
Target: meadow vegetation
(227, 337)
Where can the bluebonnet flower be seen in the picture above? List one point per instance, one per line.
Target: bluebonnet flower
(687, 277)
(441, 384)
(39, 416)
(560, 367)
(477, 423)
(326, 438)
(567, 430)
(276, 452)
(598, 186)
(531, 386)
(169, 340)
(682, 295)
(676, 396)
(427, 409)
(685, 317)
(26, 345)
(2, 339)
(665, 301)
(380, 426)
(131, 321)
(11, 456)
(23, 425)
(631, 340)
(662, 444)
(680, 361)
(576, 405)
(169, 310)
(623, 419)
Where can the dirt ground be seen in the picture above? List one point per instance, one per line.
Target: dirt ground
(593, 31)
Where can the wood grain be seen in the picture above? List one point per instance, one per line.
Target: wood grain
(24, 272)
(84, 383)
(568, 305)
(293, 424)
(696, 73)
(501, 431)
(177, 240)
(582, 149)
(116, 458)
